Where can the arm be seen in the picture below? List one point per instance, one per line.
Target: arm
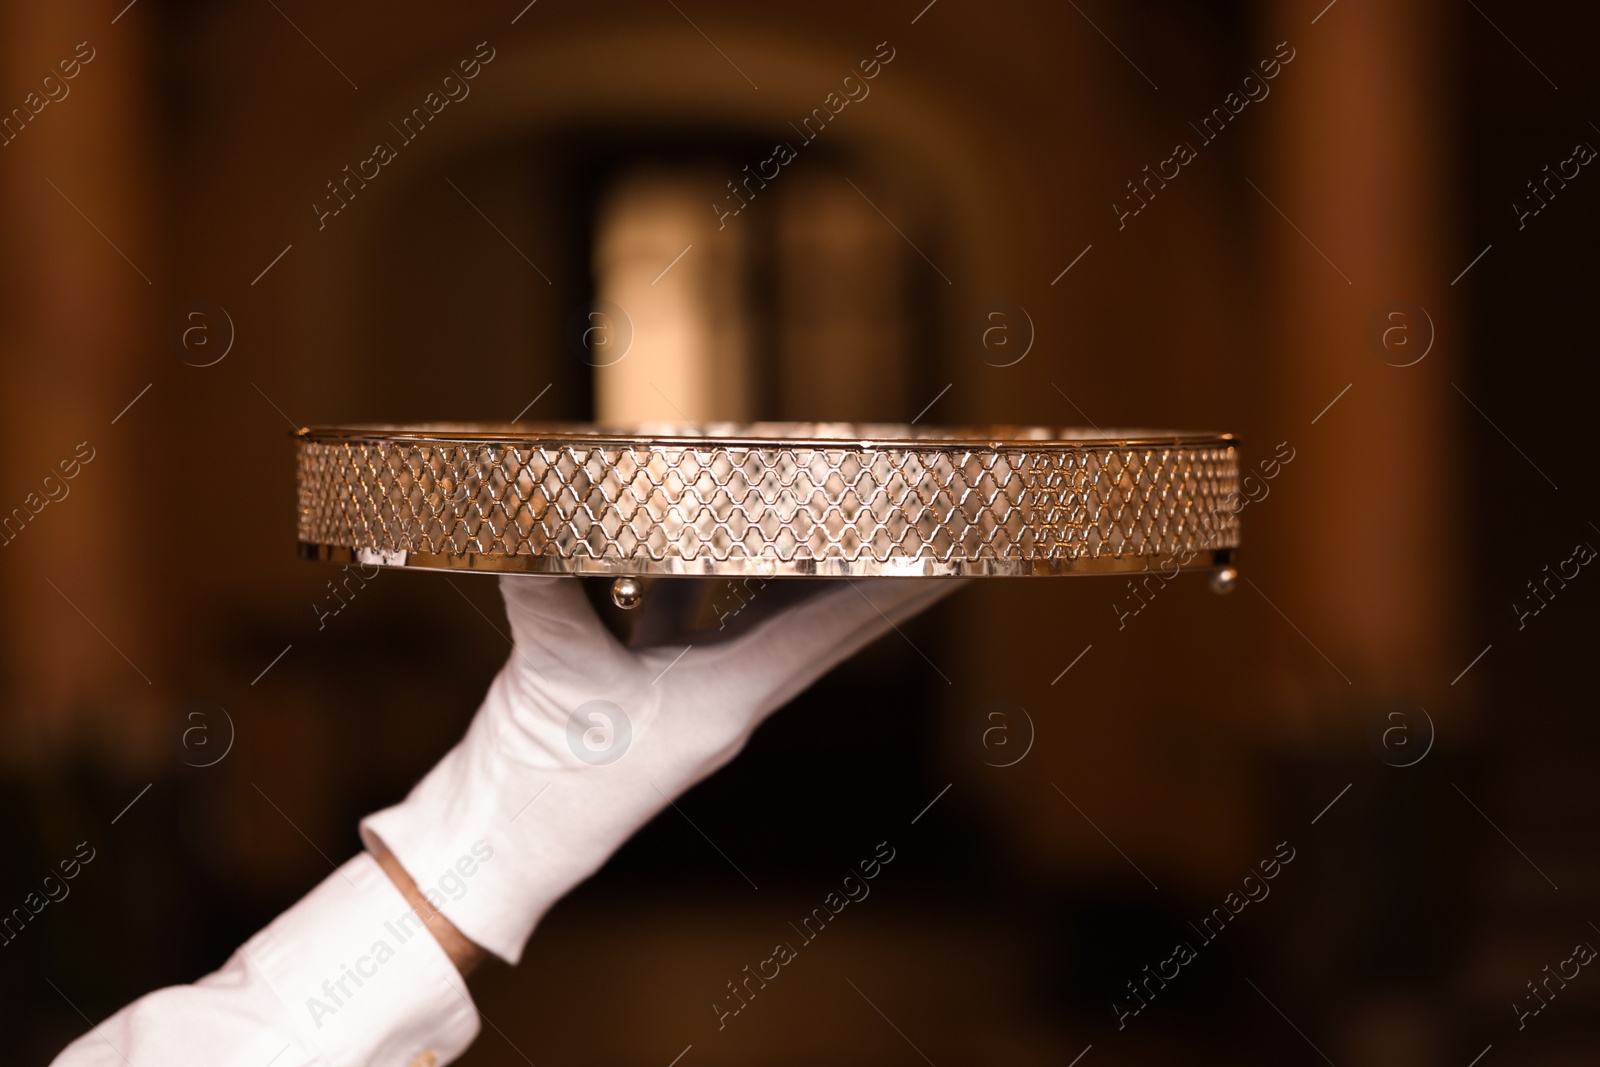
(313, 988)
(579, 742)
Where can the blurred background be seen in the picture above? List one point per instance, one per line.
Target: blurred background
(219, 222)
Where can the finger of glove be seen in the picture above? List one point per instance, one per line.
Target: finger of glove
(762, 670)
(556, 632)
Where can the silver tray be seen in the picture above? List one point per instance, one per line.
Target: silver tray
(767, 499)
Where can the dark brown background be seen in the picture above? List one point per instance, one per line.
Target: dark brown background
(1386, 557)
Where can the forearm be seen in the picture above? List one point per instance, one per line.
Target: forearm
(345, 976)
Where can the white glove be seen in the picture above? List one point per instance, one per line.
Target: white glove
(581, 741)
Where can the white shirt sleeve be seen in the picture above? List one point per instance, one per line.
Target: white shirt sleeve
(347, 976)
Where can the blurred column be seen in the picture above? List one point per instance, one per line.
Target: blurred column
(1358, 158)
(75, 313)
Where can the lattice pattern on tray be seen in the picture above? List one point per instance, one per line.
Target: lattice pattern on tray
(686, 507)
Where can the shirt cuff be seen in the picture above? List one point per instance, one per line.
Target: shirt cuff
(361, 977)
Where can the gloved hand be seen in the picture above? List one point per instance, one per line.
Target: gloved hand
(581, 741)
